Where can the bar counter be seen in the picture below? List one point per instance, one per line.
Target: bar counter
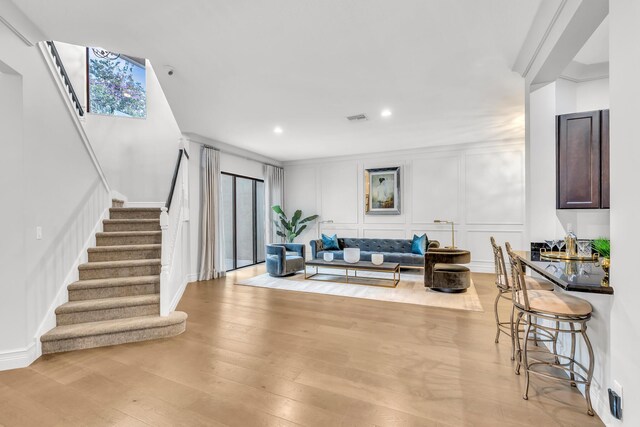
(574, 276)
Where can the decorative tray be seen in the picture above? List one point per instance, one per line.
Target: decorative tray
(563, 256)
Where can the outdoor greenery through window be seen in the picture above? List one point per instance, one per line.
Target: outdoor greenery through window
(117, 84)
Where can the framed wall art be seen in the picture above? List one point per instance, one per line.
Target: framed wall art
(382, 191)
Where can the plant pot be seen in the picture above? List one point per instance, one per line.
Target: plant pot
(328, 256)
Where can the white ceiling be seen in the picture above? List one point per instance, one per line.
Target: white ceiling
(244, 66)
(596, 49)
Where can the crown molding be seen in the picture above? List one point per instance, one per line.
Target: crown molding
(491, 144)
(223, 147)
(579, 73)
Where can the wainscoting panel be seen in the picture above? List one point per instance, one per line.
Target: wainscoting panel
(480, 186)
(480, 246)
(436, 183)
(372, 233)
(442, 236)
(339, 192)
(341, 232)
(300, 185)
(495, 188)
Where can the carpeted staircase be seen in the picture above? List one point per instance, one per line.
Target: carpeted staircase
(117, 299)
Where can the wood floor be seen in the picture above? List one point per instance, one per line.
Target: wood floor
(263, 357)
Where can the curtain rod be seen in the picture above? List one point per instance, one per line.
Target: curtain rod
(234, 154)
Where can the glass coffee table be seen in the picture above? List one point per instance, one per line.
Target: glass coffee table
(385, 267)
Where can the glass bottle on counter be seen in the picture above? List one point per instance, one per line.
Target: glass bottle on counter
(571, 241)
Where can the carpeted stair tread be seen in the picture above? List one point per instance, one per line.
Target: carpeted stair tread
(107, 303)
(113, 281)
(118, 264)
(131, 221)
(113, 326)
(134, 213)
(135, 210)
(117, 248)
(128, 237)
(127, 233)
(131, 224)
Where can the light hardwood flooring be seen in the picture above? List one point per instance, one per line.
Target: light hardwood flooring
(263, 357)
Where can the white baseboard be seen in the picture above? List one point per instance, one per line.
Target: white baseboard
(20, 358)
(601, 407)
(178, 296)
(144, 204)
(481, 268)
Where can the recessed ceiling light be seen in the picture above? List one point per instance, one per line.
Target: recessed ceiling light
(277, 129)
(385, 113)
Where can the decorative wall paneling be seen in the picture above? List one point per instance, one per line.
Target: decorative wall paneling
(479, 186)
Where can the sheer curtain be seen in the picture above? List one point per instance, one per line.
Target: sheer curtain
(273, 195)
(211, 264)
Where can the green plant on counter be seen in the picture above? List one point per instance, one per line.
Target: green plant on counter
(602, 246)
(291, 229)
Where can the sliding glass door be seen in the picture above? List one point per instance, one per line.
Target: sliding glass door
(243, 220)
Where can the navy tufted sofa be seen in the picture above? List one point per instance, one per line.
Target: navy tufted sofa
(394, 250)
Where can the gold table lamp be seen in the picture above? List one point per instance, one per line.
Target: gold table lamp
(453, 239)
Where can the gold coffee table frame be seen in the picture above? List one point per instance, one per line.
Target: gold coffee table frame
(385, 267)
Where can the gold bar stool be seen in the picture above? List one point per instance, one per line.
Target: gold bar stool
(504, 292)
(533, 306)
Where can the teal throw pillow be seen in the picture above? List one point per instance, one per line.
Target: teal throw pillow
(419, 244)
(330, 243)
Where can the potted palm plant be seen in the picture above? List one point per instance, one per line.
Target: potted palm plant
(603, 247)
(290, 229)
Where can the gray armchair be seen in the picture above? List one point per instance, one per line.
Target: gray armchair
(284, 259)
(443, 272)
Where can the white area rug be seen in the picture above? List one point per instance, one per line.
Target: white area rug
(410, 290)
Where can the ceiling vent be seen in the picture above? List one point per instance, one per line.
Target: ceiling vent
(358, 118)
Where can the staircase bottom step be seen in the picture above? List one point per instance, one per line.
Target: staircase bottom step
(112, 332)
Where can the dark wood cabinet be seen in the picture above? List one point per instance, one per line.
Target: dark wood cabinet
(604, 161)
(582, 169)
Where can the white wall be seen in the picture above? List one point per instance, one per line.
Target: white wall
(561, 97)
(137, 155)
(50, 181)
(12, 261)
(625, 203)
(240, 166)
(592, 95)
(436, 183)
